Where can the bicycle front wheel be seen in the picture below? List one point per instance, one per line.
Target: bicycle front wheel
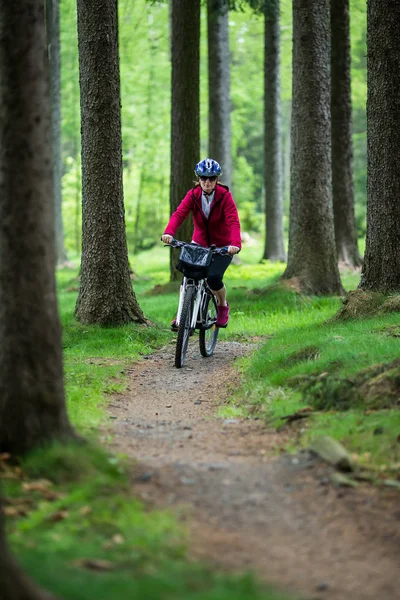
(185, 320)
(209, 331)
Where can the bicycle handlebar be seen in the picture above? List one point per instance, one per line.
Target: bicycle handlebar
(179, 244)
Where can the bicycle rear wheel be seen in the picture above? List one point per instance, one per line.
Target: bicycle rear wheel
(184, 328)
(209, 331)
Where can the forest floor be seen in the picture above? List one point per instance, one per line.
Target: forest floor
(249, 506)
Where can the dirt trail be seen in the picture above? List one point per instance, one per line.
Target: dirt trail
(246, 506)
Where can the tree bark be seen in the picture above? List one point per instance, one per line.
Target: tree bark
(286, 156)
(144, 170)
(185, 109)
(342, 144)
(32, 403)
(381, 269)
(219, 98)
(14, 585)
(105, 294)
(274, 242)
(312, 253)
(53, 44)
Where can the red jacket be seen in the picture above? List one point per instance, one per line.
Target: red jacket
(222, 227)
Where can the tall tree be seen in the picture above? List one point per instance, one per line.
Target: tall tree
(32, 406)
(312, 254)
(53, 45)
(219, 97)
(32, 403)
(185, 108)
(381, 269)
(273, 185)
(105, 294)
(342, 145)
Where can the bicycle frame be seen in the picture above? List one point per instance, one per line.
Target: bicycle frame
(198, 303)
(201, 305)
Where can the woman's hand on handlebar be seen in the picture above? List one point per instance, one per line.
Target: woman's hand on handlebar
(233, 249)
(166, 238)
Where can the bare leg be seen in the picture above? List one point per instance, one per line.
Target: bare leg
(221, 296)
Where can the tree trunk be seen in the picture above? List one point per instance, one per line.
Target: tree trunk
(381, 269)
(286, 156)
(32, 403)
(53, 44)
(105, 294)
(312, 254)
(219, 98)
(274, 242)
(185, 91)
(342, 144)
(14, 585)
(151, 86)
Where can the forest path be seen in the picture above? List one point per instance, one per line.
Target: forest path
(246, 507)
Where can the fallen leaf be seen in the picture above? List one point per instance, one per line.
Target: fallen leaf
(118, 539)
(41, 485)
(95, 564)
(60, 515)
(85, 510)
(15, 511)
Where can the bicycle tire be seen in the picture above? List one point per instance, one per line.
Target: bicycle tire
(209, 331)
(182, 340)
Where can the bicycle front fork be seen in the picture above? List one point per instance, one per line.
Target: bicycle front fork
(197, 301)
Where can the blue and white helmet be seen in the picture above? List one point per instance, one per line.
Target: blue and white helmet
(208, 168)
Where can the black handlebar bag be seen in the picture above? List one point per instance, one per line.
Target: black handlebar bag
(194, 261)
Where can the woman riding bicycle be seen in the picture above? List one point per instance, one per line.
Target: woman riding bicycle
(216, 222)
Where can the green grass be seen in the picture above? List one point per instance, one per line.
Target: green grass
(86, 536)
(301, 344)
(99, 517)
(288, 323)
(86, 510)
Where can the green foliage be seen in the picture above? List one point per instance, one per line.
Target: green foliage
(347, 372)
(145, 97)
(84, 536)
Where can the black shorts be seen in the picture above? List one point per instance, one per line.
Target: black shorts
(219, 265)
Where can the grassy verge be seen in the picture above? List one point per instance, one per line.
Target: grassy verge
(302, 356)
(345, 373)
(73, 520)
(77, 529)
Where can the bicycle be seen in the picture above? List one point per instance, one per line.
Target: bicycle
(197, 307)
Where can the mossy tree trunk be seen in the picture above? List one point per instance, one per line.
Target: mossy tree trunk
(219, 97)
(312, 253)
(342, 144)
(274, 242)
(32, 403)
(185, 109)
(105, 294)
(32, 406)
(381, 269)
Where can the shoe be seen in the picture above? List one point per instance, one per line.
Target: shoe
(222, 316)
(174, 325)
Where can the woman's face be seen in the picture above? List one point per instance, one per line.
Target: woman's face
(208, 184)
